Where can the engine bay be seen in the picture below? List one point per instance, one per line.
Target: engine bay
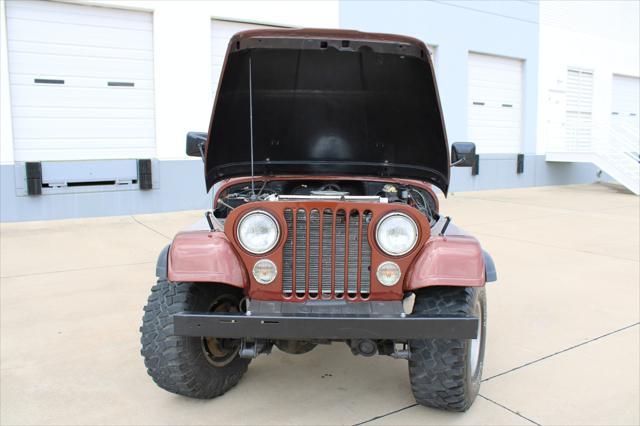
(346, 190)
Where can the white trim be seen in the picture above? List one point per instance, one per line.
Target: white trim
(6, 125)
(252, 22)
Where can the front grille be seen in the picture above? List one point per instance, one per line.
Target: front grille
(326, 254)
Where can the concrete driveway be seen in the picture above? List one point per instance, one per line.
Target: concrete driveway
(563, 333)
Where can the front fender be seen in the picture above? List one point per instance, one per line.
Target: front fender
(205, 256)
(489, 267)
(161, 265)
(456, 260)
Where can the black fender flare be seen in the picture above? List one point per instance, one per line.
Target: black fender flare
(161, 265)
(490, 272)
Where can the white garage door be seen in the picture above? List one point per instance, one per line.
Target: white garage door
(221, 33)
(81, 81)
(495, 103)
(625, 114)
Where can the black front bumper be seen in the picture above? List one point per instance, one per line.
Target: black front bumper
(303, 326)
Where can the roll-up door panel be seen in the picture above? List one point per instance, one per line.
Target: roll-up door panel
(495, 103)
(625, 114)
(221, 33)
(81, 80)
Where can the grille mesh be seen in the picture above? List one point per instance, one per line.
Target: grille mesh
(327, 254)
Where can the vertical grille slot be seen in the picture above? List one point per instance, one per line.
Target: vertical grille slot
(287, 256)
(352, 259)
(326, 254)
(340, 249)
(301, 253)
(314, 252)
(365, 256)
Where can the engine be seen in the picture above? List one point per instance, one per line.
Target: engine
(350, 190)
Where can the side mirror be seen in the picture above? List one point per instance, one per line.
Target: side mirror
(463, 154)
(195, 144)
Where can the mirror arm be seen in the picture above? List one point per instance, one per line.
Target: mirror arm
(201, 149)
(445, 226)
(214, 223)
(460, 161)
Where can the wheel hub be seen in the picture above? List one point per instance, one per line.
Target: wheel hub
(220, 352)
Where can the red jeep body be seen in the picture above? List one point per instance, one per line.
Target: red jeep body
(217, 257)
(324, 151)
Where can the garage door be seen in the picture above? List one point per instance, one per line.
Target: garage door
(221, 33)
(495, 103)
(625, 117)
(81, 81)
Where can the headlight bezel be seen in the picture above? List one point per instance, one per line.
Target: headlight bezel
(414, 225)
(277, 227)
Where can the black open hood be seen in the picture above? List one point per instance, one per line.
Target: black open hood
(327, 103)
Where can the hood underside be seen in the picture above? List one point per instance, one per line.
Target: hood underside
(318, 102)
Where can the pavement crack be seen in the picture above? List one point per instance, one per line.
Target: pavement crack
(562, 210)
(542, 207)
(562, 351)
(385, 415)
(88, 268)
(502, 221)
(553, 246)
(150, 228)
(509, 409)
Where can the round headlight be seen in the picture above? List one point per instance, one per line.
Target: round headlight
(396, 234)
(388, 273)
(258, 232)
(265, 271)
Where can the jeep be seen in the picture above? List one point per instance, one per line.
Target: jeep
(325, 150)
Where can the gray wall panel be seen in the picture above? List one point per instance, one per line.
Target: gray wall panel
(182, 188)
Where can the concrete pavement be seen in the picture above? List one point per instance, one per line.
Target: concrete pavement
(563, 325)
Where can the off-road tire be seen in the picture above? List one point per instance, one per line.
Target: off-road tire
(439, 369)
(179, 364)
